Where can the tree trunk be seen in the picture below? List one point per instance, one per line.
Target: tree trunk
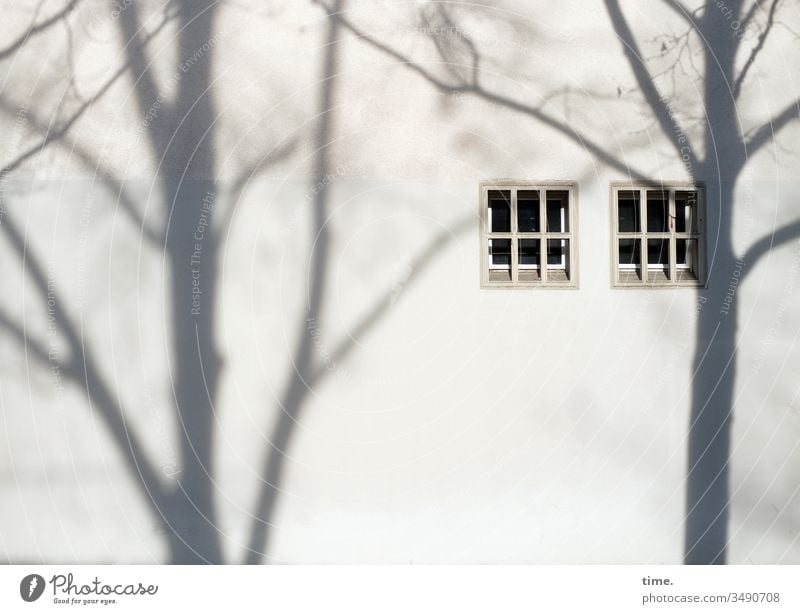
(714, 378)
(188, 171)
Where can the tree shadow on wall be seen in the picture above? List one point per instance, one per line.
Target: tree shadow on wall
(182, 136)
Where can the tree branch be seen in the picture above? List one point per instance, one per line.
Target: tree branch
(381, 306)
(769, 242)
(74, 148)
(750, 15)
(667, 121)
(304, 379)
(86, 372)
(274, 155)
(134, 46)
(773, 126)
(483, 94)
(762, 38)
(37, 29)
(35, 347)
(52, 135)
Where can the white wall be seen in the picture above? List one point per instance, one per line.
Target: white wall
(466, 425)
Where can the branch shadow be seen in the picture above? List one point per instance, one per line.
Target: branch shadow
(297, 387)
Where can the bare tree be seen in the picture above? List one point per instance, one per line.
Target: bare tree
(727, 151)
(182, 138)
(710, 42)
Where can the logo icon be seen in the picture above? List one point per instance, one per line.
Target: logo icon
(31, 587)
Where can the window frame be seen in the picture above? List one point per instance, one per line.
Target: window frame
(671, 235)
(569, 259)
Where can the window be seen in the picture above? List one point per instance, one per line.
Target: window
(527, 236)
(658, 235)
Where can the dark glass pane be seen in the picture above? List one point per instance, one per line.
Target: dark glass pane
(686, 211)
(630, 260)
(500, 252)
(629, 253)
(499, 211)
(686, 260)
(529, 252)
(557, 211)
(657, 211)
(658, 260)
(556, 251)
(558, 268)
(658, 252)
(628, 211)
(680, 252)
(528, 211)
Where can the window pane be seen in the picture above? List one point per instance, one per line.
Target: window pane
(557, 211)
(529, 250)
(528, 211)
(686, 211)
(657, 211)
(499, 211)
(499, 259)
(529, 254)
(628, 211)
(686, 260)
(630, 260)
(657, 253)
(657, 260)
(500, 252)
(558, 264)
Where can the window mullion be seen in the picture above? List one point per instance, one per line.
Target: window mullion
(643, 236)
(542, 236)
(615, 259)
(514, 242)
(514, 227)
(700, 215)
(514, 260)
(673, 244)
(486, 258)
(557, 235)
(643, 210)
